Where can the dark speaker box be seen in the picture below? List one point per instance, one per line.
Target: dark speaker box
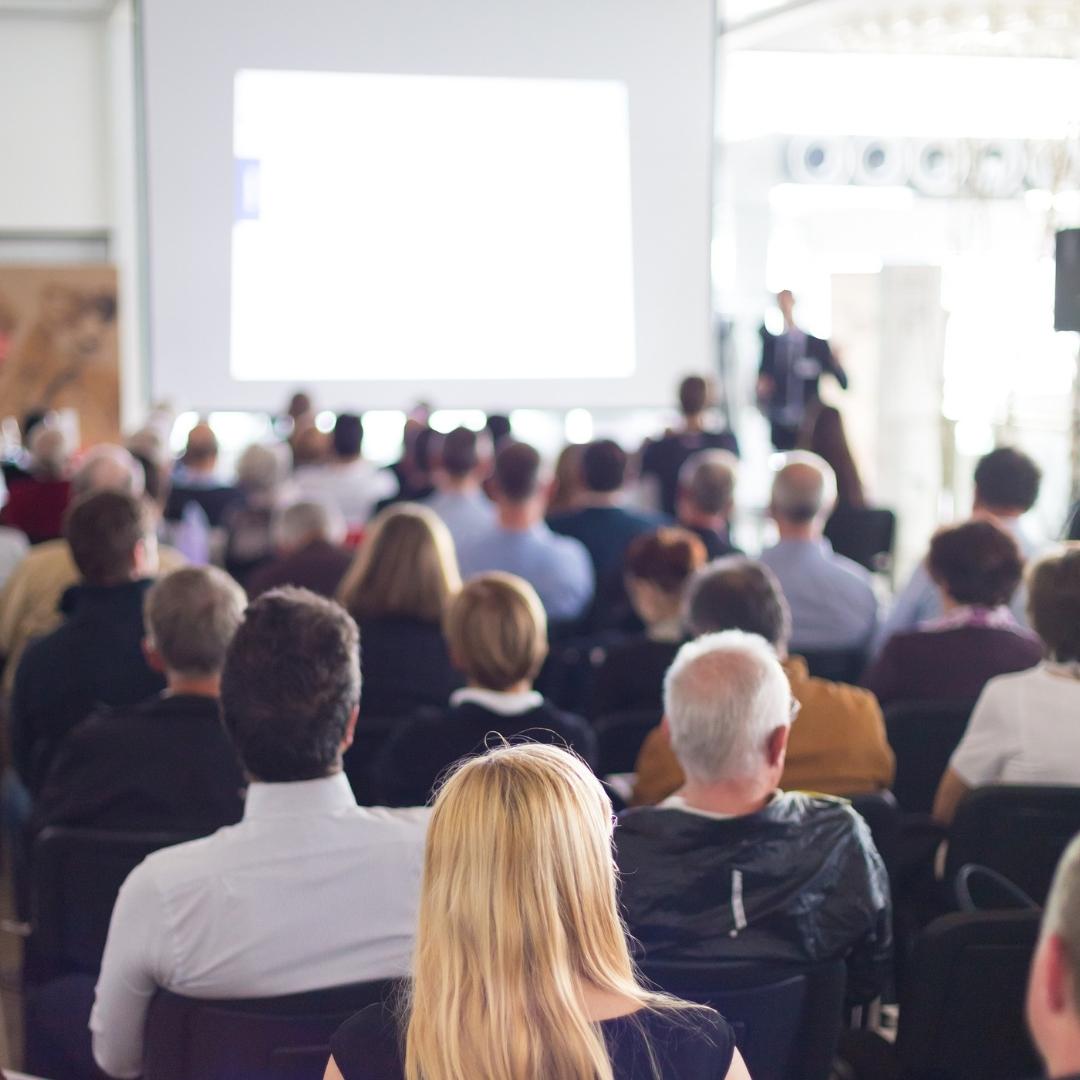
(1067, 284)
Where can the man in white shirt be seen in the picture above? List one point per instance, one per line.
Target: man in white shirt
(833, 604)
(349, 482)
(309, 890)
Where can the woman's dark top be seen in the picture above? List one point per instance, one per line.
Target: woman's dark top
(631, 677)
(422, 747)
(949, 665)
(404, 666)
(692, 1045)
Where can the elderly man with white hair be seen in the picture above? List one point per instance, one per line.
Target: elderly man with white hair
(730, 868)
(309, 537)
(833, 604)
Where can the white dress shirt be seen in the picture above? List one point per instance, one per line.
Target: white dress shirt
(354, 487)
(308, 891)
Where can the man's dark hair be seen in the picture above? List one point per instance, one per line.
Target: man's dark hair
(1054, 602)
(498, 426)
(736, 593)
(348, 435)
(693, 395)
(517, 472)
(290, 683)
(603, 466)
(460, 452)
(976, 563)
(1007, 479)
(102, 529)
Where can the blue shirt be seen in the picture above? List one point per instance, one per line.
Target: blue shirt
(557, 567)
(468, 515)
(832, 602)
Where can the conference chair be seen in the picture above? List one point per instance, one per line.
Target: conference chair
(962, 1009)
(1015, 830)
(786, 1020)
(881, 813)
(923, 736)
(619, 737)
(836, 665)
(75, 876)
(278, 1038)
(865, 534)
(368, 740)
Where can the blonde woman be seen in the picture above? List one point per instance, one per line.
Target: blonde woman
(397, 589)
(522, 970)
(496, 632)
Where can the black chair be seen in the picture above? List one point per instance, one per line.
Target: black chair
(619, 737)
(836, 665)
(75, 877)
(786, 1020)
(865, 534)
(368, 740)
(280, 1038)
(882, 814)
(1016, 830)
(923, 736)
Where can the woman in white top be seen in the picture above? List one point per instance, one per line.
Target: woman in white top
(1026, 726)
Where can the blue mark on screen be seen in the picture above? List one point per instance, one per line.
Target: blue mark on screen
(247, 177)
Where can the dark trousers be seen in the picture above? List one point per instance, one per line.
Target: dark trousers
(56, 1014)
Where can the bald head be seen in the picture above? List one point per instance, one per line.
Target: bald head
(803, 492)
(201, 452)
(109, 468)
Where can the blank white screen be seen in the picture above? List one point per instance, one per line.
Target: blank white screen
(418, 227)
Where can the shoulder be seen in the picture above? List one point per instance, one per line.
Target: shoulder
(851, 568)
(837, 696)
(368, 1046)
(1003, 688)
(686, 1042)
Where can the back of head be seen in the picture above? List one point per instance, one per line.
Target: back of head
(1054, 602)
(707, 479)
(517, 472)
(724, 695)
(496, 631)
(518, 909)
(665, 558)
(191, 616)
(405, 567)
(1007, 481)
(803, 490)
(202, 447)
(693, 395)
(348, 436)
(461, 453)
(106, 467)
(290, 684)
(104, 530)
(498, 427)
(260, 469)
(49, 451)
(976, 563)
(603, 466)
(299, 405)
(309, 520)
(736, 593)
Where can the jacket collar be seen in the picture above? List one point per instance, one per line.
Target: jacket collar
(83, 598)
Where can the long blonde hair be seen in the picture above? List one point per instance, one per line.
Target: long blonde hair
(518, 912)
(406, 565)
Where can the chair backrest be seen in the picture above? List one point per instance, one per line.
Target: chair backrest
(962, 1007)
(1018, 830)
(786, 1020)
(280, 1038)
(923, 736)
(865, 534)
(368, 740)
(836, 665)
(619, 737)
(880, 811)
(75, 876)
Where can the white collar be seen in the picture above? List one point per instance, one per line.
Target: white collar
(497, 701)
(299, 798)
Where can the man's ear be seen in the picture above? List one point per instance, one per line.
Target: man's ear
(776, 745)
(154, 660)
(350, 729)
(1057, 986)
(665, 727)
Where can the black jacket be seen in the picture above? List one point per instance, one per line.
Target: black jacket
(420, 749)
(164, 765)
(94, 658)
(798, 882)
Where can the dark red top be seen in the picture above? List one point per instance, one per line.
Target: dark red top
(37, 508)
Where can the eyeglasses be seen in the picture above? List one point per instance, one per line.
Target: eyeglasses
(795, 707)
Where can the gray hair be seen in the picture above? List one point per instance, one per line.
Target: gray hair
(107, 467)
(49, 449)
(191, 616)
(309, 520)
(260, 469)
(707, 479)
(804, 487)
(723, 696)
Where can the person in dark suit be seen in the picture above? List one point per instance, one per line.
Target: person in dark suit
(496, 631)
(792, 363)
(95, 656)
(631, 674)
(310, 553)
(165, 764)
(402, 578)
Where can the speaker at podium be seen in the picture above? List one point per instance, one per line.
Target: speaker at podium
(1067, 281)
